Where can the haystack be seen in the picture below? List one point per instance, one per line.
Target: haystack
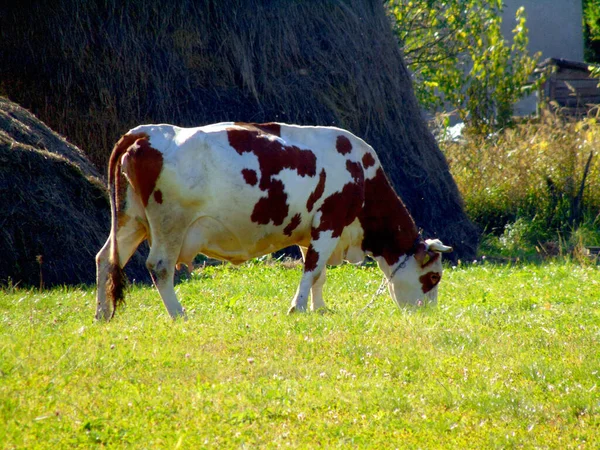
(93, 69)
(54, 211)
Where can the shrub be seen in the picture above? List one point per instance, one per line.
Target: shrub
(535, 183)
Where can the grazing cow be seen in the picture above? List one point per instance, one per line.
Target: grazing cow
(236, 191)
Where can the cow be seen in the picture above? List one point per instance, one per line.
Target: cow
(236, 191)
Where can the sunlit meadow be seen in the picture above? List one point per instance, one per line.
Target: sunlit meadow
(508, 359)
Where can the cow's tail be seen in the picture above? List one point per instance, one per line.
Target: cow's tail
(115, 288)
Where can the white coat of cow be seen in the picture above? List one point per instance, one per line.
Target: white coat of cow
(236, 191)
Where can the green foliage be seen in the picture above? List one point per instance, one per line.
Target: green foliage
(458, 56)
(595, 71)
(507, 360)
(591, 16)
(591, 30)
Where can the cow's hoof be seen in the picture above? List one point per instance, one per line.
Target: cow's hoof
(102, 316)
(296, 309)
(179, 314)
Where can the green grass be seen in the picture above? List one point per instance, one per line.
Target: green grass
(509, 359)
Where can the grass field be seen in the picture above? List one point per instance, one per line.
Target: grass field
(509, 359)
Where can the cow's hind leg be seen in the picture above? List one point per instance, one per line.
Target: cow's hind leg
(315, 260)
(129, 237)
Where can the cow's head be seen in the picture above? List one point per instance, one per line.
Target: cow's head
(414, 278)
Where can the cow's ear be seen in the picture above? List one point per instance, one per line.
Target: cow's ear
(422, 255)
(437, 246)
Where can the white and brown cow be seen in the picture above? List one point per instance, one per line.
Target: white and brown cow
(236, 191)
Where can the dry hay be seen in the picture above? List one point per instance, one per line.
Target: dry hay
(93, 69)
(54, 212)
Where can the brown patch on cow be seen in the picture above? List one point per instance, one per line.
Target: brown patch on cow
(311, 260)
(273, 207)
(389, 229)
(250, 176)
(120, 148)
(314, 233)
(343, 145)
(158, 196)
(368, 160)
(295, 222)
(318, 192)
(144, 164)
(355, 170)
(429, 281)
(118, 151)
(273, 157)
(341, 208)
(268, 128)
(271, 128)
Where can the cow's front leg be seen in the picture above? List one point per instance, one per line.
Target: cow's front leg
(163, 272)
(316, 292)
(315, 260)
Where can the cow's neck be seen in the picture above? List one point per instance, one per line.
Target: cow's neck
(389, 230)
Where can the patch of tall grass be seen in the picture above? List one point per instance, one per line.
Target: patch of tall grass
(533, 189)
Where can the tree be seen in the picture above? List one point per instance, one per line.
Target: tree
(459, 57)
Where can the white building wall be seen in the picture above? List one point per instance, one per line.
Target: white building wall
(555, 29)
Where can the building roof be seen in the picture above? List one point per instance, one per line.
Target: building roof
(563, 64)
